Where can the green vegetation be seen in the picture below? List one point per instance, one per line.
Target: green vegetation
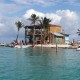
(33, 20)
(78, 32)
(45, 23)
(19, 25)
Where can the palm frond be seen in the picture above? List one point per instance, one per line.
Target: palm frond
(19, 25)
(33, 18)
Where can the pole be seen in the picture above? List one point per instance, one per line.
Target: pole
(56, 45)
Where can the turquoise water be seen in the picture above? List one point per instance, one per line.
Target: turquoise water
(37, 64)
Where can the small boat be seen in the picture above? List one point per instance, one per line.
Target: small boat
(22, 46)
(78, 48)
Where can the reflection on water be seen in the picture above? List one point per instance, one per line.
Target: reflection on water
(35, 64)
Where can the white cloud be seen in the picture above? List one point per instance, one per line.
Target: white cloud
(43, 2)
(73, 2)
(30, 12)
(2, 26)
(9, 8)
(48, 2)
(22, 2)
(68, 18)
(28, 3)
(54, 17)
(37, 2)
(70, 15)
(57, 17)
(8, 29)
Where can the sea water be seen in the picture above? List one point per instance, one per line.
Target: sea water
(39, 64)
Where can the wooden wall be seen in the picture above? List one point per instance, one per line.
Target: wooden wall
(55, 28)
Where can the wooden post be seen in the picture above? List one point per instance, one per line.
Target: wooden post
(56, 44)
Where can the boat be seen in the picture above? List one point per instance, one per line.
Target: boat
(78, 48)
(22, 46)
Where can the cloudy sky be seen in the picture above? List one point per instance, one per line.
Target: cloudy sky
(62, 12)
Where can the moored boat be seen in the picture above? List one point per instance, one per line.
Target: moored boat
(22, 46)
(78, 48)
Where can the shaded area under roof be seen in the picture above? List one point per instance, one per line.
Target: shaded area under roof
(31, 26)
(39, 26)
(65, 34)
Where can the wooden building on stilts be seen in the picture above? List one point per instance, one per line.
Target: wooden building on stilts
(41, 37)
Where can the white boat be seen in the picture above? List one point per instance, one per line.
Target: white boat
(78, 48)
(22, 46)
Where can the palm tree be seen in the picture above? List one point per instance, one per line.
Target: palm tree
(41, 24)
(19, 25)
(78, 32)
(45, 24)
(33, 20)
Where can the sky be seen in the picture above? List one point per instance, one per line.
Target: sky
(65, 13)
